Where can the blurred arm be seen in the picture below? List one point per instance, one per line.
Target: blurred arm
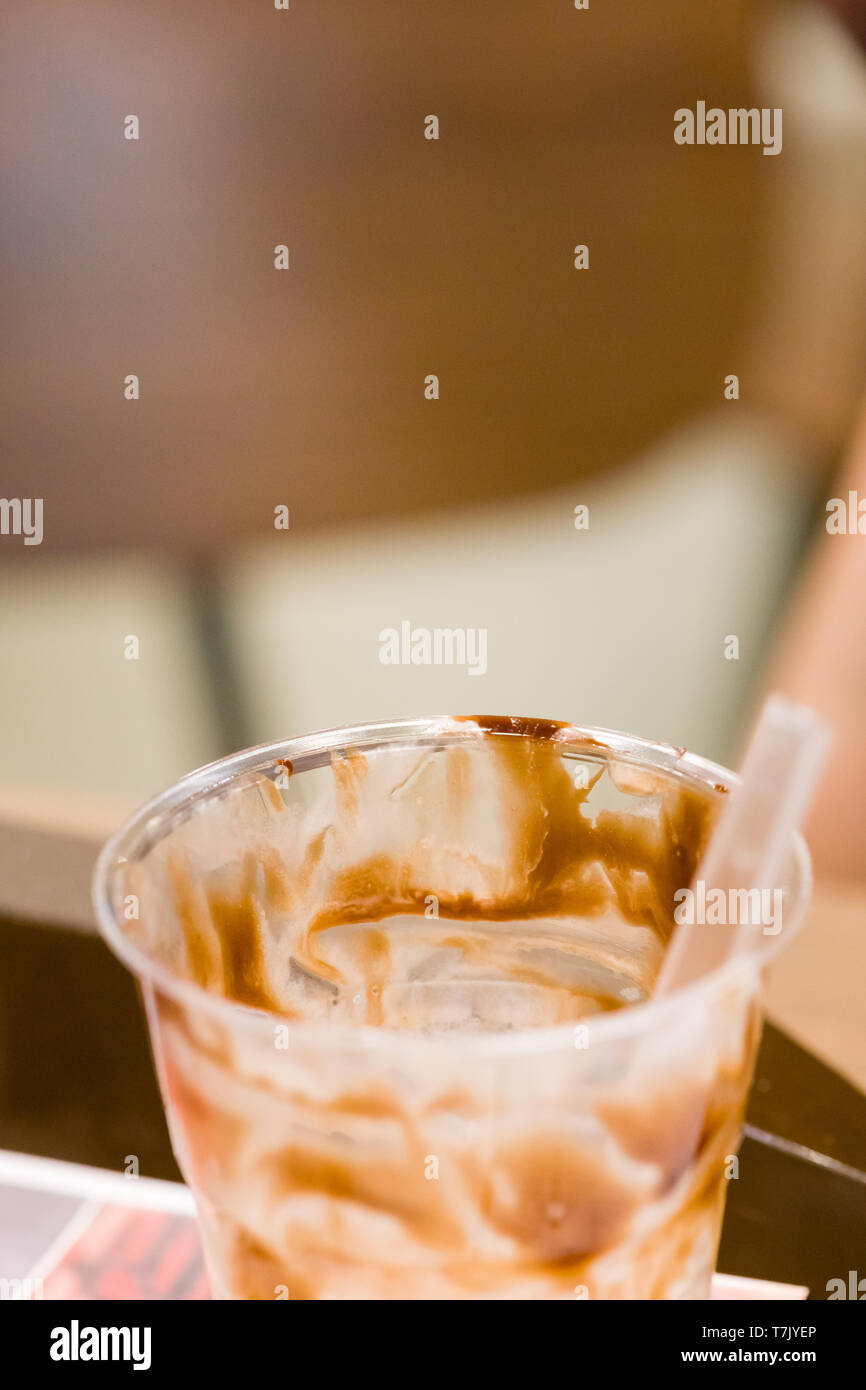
(822, 661)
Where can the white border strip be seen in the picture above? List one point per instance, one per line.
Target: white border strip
(736, 1287)
(93, 1184)
(77, 1224)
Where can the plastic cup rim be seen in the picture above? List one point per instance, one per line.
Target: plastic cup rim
(136, 833)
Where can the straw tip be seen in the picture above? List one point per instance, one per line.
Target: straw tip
(799, 720)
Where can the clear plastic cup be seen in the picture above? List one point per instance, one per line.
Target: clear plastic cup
(398, 983)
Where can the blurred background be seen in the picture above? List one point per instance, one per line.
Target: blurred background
(304, 388)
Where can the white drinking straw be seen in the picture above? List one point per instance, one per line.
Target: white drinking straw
(751, 842)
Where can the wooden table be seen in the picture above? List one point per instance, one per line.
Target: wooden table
(816, 988)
